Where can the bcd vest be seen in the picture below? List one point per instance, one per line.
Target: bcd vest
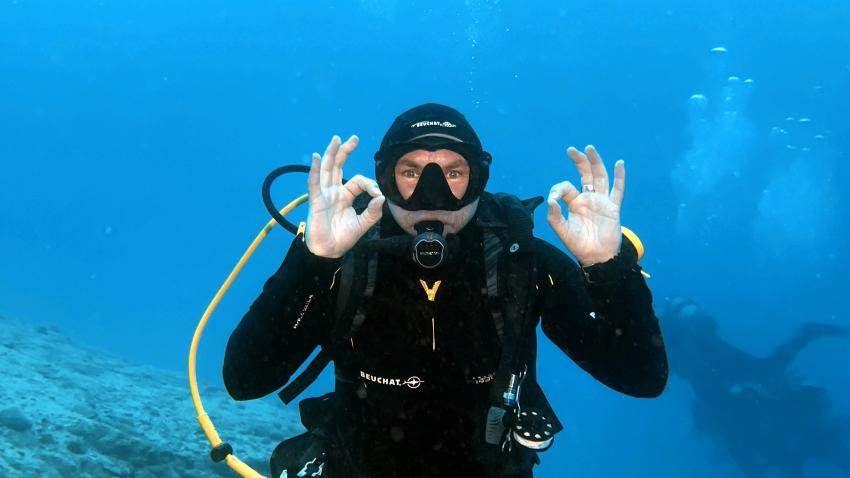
(510, 276)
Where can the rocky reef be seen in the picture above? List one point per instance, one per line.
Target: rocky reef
(67, 410)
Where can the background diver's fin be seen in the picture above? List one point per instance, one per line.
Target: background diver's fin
(809, 332)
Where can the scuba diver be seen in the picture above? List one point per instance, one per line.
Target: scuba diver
(753, 407)
(425, 292)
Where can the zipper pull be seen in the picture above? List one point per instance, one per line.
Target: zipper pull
(431, 292)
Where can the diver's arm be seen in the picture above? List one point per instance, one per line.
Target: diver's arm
(603, 320)
(282, 327)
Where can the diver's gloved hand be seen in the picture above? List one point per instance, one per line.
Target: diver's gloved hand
(592, 229)
(333, 226)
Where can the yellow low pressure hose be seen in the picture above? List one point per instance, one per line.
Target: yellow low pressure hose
(635, 240)
(223, 451)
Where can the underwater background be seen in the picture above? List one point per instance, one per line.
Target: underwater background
(134, 137)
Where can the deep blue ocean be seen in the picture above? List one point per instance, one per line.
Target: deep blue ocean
(134, 138)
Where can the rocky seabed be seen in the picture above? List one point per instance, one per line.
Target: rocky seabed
(67, 410)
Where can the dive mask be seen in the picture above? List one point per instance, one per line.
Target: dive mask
(432, 192)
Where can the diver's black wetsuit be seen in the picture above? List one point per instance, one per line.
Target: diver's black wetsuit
(427, 383)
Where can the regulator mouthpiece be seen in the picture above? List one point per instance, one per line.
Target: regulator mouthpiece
(429, 248)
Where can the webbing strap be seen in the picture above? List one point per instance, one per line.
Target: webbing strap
(347, 275)
(371, 276)
(492, 253)
(510, 306)
(501, 306)
(308, 376)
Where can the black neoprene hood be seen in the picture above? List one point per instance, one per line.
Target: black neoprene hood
(431, 127)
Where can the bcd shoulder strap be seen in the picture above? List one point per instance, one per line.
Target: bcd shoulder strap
(349, 314)
(515, 293)
(511, 272)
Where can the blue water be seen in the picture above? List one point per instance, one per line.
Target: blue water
(134, 138)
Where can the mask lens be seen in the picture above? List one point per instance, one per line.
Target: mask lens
(408, 177)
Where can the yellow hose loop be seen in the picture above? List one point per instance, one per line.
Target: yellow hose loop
(203, 419)
(634, 239)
